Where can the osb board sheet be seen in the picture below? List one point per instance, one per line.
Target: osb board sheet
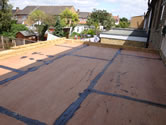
(6, 120)
(107, 110)
(45, 94)
(135, 77)
(98, 52)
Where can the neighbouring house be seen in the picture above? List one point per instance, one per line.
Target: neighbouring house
(14, 12)
(79, 28)
(83, 17)
(82, 25)
(137, 22)
(22, 15)
(27, 35)
(155, 25)
(117, 20)
(128, 37)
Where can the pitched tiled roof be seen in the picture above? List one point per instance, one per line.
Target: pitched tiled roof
(13, 12)
(27, 33)
(51, 10)
(84, 14)
(27, 10)
(116, 17)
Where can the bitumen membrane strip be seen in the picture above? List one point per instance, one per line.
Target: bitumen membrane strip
(11, 69)
(88, 57)
(19, 117)
(141, 57)
(70, 111)
(20, 74)
(129, 98)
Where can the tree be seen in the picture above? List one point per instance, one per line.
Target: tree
(41, 21)
(37, 16)
(15, 28)
(58, 29)
(124, 19)
(5, 16)
(69, 18)
(101, 17)
(124, 23)
(92, 22)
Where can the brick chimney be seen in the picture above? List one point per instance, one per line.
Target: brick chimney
(78, 11)
(17, 9)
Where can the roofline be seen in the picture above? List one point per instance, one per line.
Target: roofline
(122, 34)
(137, 16)
(38, 6)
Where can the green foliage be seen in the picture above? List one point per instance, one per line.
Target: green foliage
(109, 23)
(124, 23)
(124, 19)
(100, 17)
(69, 18)
(75, 33)
(42, 29)
(8, 27)
(43, 22)
(36, 16)
(5, 16)
(15, 28)
(91, 32)
(58, 29)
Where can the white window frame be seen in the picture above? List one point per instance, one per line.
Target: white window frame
(163, 8)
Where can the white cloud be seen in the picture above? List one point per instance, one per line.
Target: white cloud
(129, 8)
(126, 8)
(83, 5)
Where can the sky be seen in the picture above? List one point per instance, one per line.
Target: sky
(123, 8)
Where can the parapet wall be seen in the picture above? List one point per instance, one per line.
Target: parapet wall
(123, 42)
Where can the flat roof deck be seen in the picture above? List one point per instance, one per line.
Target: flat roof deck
(76, 84)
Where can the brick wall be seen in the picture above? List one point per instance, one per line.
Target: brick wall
(163, 50)
(156, 28)
(137, 22)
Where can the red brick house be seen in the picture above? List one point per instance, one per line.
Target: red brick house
(22, 15)
(83, 16)
(117, 19)
(155, 25)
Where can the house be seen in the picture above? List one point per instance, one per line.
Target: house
(80, 28)
(83, 17)
(128, 37)
(117, 20)
(27, 35)
(137, 22)
(14, 12)
(22, 15)
(155, 25)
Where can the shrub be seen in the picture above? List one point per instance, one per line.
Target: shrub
(74, 33)
(89, 32)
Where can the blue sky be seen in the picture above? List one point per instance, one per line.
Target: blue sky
(123, 8)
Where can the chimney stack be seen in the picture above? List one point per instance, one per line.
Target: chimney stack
(17, 9)
(78, 11)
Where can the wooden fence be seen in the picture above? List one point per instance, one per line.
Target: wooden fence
(7, 43)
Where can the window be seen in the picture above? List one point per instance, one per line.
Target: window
(158, 15)
(163, 8)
